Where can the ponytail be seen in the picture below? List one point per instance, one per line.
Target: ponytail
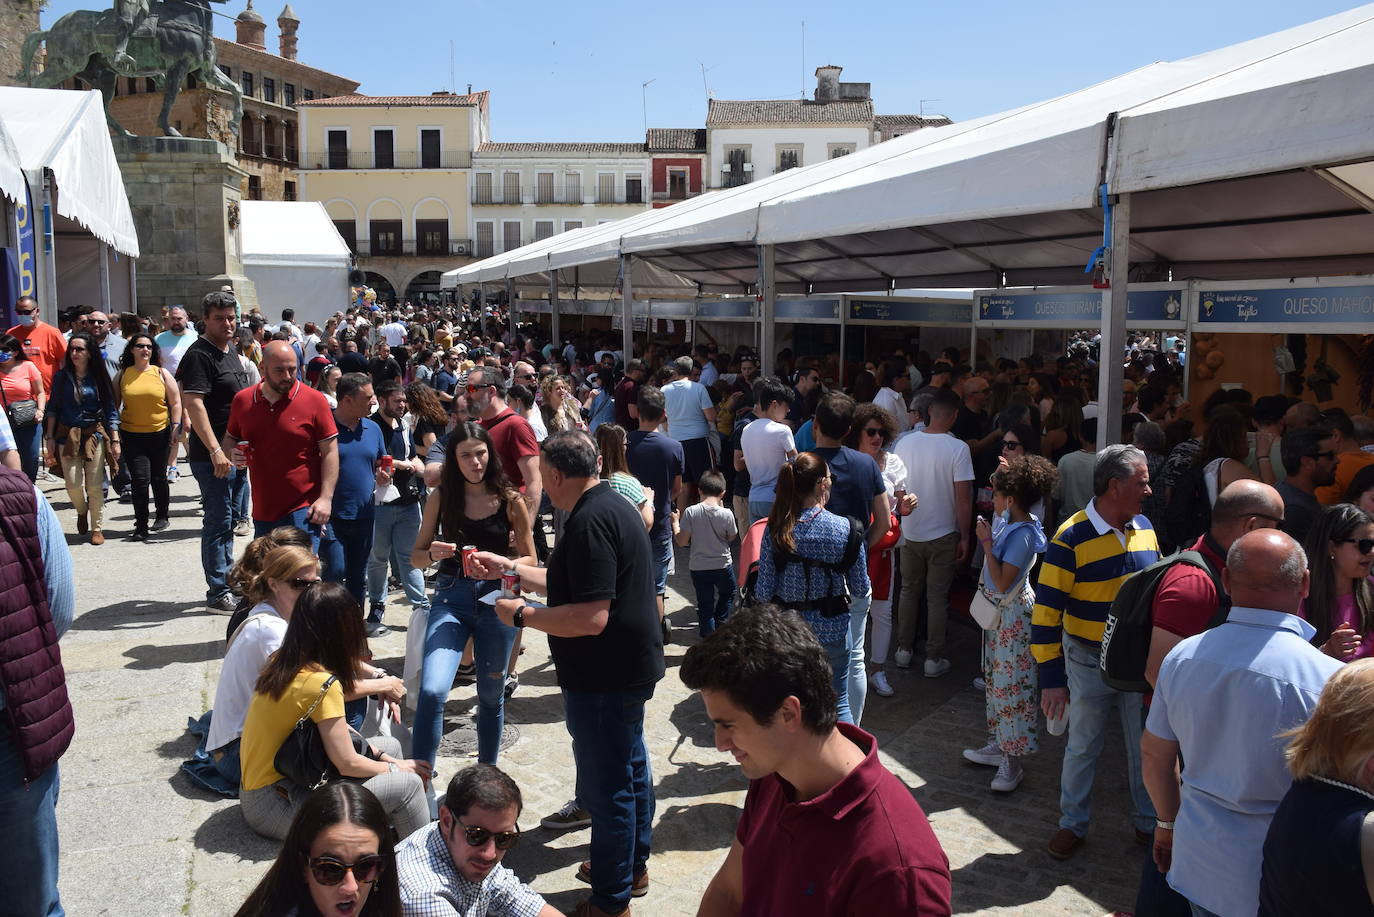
(797, 480)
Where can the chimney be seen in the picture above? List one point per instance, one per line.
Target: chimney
(287, 24)
(828, 83)
(251, 29)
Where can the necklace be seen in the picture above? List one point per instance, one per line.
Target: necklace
(1344, 786)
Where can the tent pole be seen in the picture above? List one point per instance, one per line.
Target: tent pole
(1110, 370)
(627, 308)
(510, 306)
(48, 247)
(844, 307)
(553, 312)
(133, 284)
(104, 251)
(769, 291)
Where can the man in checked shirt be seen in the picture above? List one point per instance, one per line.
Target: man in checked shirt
(452, 868)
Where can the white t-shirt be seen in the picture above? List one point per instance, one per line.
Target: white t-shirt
(891, 401)
(765, 444)
(934, 463)
(261, 636)
(395, 334)
(173, 347)
(685, 402)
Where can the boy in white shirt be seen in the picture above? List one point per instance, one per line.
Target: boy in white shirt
(708, 527)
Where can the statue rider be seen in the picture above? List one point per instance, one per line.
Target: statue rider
(129, 15)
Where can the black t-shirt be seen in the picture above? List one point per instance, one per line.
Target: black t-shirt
(218, 375)
(383, 370)
(971, 425)
(352, 362)
(604, 554)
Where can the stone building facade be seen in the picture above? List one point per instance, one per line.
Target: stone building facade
(17, 19)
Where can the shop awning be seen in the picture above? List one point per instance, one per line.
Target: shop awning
(12, 183)
(65, 131)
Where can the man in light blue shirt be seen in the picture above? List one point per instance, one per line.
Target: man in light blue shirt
(690, 418)
(1222, 701)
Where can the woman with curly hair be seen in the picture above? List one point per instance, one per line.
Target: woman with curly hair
(1010, 546)
(428, 414)
(561, 410)
(1340, 605)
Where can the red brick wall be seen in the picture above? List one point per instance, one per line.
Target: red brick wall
(693, 166)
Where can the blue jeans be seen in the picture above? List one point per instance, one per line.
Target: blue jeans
(455, 616)
(217, 498)
(394, 530)
(242, 497)
(229, 762)
(354, 539)
(759, 509)
(663, 556)
(27, 441)
(1155, 897)
(295, 519)
(1200, 911)
(1090, 703)
(614, 785)
(857, 679)
(28, 823)
(715, 591)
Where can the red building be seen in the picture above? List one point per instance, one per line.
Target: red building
(678, 159)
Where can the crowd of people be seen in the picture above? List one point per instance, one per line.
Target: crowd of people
(1207, 580)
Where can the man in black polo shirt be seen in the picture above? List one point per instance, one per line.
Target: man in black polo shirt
(211, 374)
(602, 623)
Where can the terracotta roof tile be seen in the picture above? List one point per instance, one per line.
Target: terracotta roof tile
(676, 140)
(911, 120)
(445, 99)
(788, 111)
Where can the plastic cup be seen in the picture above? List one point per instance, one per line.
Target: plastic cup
(1056, 725)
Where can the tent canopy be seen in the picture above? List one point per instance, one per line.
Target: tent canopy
(12, 183)
(65, 131)
(296, 258)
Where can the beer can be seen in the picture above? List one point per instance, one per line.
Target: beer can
(246, 448)
(467, 552)
(510, 583)
(388, 461)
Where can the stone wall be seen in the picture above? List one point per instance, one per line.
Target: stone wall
(17, 19)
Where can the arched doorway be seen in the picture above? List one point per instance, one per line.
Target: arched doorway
(385, 291)
(424, 287)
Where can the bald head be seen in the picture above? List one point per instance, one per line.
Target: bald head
(1266, 569)
(1245, 506)
(278, 366)
(1300, 415)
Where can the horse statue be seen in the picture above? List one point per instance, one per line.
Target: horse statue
(172, 39)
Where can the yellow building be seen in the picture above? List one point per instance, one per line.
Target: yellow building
(393, 172)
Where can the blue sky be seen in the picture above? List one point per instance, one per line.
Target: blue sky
(573, 71)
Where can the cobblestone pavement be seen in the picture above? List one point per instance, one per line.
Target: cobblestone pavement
(139, 838)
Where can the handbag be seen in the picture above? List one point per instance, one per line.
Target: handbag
(21, 413)
(988, 613)
(302, 758)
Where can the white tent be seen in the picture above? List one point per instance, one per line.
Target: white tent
(65, 131)
(296, 259)
(11, 174)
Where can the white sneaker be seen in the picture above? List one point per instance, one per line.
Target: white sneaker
(990, 755)
(879, 682)
(903, 659)
(1009, 775)
(980, 684)
(936, 667)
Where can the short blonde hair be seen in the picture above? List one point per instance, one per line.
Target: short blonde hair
(279, 564)
(1339, 737)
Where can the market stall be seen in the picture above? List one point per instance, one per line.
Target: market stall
(296, 258)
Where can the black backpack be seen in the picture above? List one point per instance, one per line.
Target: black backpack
(1189, 512)
(831, 606)
(1126, 639)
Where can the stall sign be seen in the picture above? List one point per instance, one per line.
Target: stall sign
(915, 313)
(1085, 307)
(1287, 306)
(791, 310)
(725, 308)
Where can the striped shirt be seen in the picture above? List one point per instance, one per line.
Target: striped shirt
(1084, 567)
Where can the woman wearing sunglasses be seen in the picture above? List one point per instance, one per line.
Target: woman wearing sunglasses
(150, 409)
(22, 393)
(1340, 604)
(337, 859)
(323, 641)
(82, 423)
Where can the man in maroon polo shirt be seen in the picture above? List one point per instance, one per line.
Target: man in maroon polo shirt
(1187, 600)
(826, 828)
(626, 394)
(293, 456)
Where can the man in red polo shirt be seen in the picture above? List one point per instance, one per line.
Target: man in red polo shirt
(42, 343)
(1187, 600)
(293, 456)
(826, 828)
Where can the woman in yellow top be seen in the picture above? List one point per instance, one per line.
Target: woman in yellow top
(323, 639)
(150, 409)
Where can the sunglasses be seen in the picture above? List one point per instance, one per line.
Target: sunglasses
(298, 583)
(525, 376)
(76, 350)
(25, 311)
(98, 321)
(141, 346)
(873, 431)
(1011, 444)
(330, 871)
(474, 389)
(478, 837)
(1363, 545)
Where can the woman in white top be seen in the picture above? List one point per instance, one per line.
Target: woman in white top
(328, 380)
(1223, 452)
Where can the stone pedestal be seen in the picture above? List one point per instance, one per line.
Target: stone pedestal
(184, 194)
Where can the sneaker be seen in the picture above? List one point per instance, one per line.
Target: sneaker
(639, 885)
(903, 659)
(375, 628)
(224, 605)
(466, 675)
(990, 755)
(378, 609)
(571, 817)
(161, 523)
(936, 667)
(1009, 775)
(126, 495)
(83, 525)
(880, 686)
(980, 684)
(243, 528)
(512, 682)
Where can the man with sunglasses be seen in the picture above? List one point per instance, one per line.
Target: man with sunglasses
(454, 866)
(42, 343)
(1309, 458)
(111, 345)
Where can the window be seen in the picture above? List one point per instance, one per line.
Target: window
(510, 235)
(840, 149)
(542, 229)
(269, 89)
(481, 188)
(150, 85)
(510, 188)
(288, 93)
(348, 229)
(485, 234)
(309, 94)
(543, 188)
(789, 157)
(224, 68)
(133, 85)
(247, 79)
(386, 237)
(571, 224)
(572, 188)
(605, 188)
(431, 237)
(677, 184)
(634, 189)
(736, 166)
(288, 191)
(338, 149)
(429, 149)
(383, 149)
(254, 188)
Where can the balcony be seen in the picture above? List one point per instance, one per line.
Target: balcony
(446, 159)
(252, 147)
(413, 248)
(562, 196)
(675, 195)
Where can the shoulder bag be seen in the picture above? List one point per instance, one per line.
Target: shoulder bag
(988, 613)
(21, 413)
(302, 758)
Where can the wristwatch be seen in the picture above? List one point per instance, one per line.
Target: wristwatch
(519, 619)
(1166, 825)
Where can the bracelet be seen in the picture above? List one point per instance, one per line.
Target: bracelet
(1264, 458)
(217, 449)
(1166, 825)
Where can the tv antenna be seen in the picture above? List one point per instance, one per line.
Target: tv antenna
(923, 105)
(704, 88)
(644, 102)
(803, 58)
